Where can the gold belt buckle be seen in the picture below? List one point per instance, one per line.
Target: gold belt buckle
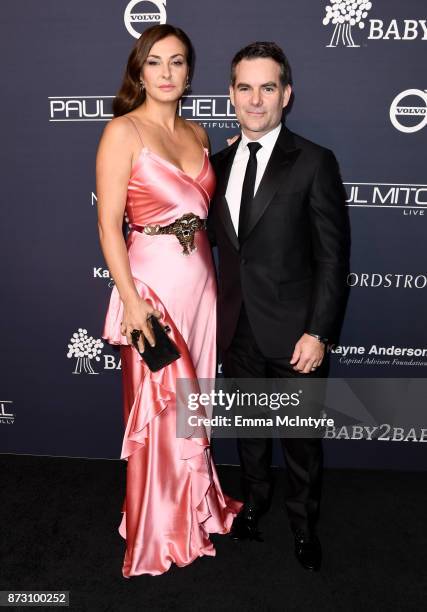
(183, 228)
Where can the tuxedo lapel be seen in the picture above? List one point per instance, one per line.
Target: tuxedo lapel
(223, 170)
(276, 173)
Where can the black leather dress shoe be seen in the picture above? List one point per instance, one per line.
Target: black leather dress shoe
(308, 550)
(245, 525)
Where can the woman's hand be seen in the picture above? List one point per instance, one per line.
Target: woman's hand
(135, 314)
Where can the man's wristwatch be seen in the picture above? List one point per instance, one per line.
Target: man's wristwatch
(320, 338)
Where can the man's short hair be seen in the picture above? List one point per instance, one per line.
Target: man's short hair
(263, 49)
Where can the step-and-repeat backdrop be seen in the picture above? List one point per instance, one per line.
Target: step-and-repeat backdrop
(360, 88)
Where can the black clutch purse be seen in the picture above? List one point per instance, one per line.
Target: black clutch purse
(163, 353)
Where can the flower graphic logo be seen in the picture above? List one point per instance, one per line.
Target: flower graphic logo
(344, 14)
(84, 348)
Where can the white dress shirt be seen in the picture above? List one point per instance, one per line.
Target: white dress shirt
(233, 194)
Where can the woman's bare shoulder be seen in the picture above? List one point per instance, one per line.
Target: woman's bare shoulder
(201, 132)
(119, 134)
(118, 127)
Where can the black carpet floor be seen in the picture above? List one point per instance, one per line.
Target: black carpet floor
(59, 519)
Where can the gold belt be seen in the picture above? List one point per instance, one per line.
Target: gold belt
(183, 228)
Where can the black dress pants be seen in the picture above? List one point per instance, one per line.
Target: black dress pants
(303, 456)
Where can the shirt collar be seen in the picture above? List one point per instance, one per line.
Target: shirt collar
(267, 141)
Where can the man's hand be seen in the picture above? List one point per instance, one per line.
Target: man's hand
(308, 354)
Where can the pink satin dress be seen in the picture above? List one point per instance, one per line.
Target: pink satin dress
(173, 496)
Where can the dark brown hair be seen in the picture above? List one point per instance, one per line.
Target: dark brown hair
(130, 95)
(264, 49)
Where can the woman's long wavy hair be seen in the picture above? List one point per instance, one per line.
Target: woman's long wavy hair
(130, 95)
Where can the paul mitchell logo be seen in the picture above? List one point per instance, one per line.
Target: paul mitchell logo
(84, 349)
(214, 111)
(413, 113)
(148, 12)
(6, 417)
(209, 110)
(80, 108)
(411, 199)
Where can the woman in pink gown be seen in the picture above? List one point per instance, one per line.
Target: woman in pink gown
(154, 167)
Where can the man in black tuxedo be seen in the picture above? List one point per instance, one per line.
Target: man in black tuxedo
(279, 221)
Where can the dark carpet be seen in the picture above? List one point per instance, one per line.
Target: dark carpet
(59, 519)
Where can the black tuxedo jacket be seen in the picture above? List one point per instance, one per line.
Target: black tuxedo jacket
(290, 268)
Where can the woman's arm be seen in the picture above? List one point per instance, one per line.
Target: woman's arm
(113, 167)
(203, 135)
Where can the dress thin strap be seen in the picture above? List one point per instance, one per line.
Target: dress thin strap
(135, 125)
(197, 134)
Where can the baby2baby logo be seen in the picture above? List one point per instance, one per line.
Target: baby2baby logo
(346, 16)
(87, 353)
